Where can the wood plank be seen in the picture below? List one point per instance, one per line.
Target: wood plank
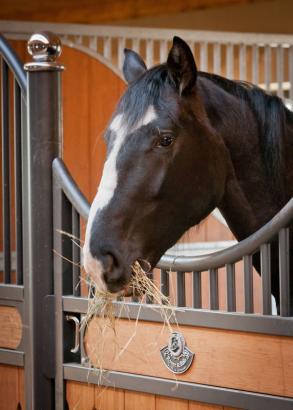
(10, 327)
(136, 400)
(107, 398)
(21, 388)
(204, 406)
(90, 11)
(8, 387)
(167, 403)
(245, 361)
(80, 396)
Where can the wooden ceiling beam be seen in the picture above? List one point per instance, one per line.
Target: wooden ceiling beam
(101, 11)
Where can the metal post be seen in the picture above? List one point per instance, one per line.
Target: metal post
(43, 145)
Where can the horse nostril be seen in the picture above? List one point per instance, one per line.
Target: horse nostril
(109, 262)
(113, 273)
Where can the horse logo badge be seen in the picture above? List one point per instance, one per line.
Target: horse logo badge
(176, 356)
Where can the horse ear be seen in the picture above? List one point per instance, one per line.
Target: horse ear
(133, 66)
(181, 66)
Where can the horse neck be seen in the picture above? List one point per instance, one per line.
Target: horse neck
(247, 203)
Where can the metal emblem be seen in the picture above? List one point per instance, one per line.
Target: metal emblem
(176, 356)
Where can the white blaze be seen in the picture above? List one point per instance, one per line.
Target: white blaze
(108, 185)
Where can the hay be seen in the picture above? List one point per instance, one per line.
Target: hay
(101, 304)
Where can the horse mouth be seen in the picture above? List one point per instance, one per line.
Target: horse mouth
(130, 289)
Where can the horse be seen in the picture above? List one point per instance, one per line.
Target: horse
(180, 144)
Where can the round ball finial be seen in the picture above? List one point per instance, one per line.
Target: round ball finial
(44, 46)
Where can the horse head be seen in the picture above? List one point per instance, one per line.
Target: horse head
(165, 169)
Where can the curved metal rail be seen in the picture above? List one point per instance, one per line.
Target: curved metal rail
(14, 63)
(186, 263)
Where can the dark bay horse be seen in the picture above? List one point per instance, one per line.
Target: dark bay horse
(180, 144)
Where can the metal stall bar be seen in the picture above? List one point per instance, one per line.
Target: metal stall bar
(284, 271)
(165, 282)
(44, 144)
(267, 66)
(75, 253)
(231, 291)
(5, 171)
(265, 260)
(216, 58)
(255, 64)
(248, 284)
(242, 62)
(163, 51)
(180, 276)
(229, 61)
(197, 299)
(214, 289)
(149, 53)
(280, 71)
(18, 182)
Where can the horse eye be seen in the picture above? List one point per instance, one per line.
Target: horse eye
(166, 140)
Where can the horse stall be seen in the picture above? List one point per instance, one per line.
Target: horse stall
(235, 349)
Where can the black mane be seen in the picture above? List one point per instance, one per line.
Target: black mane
(142, 93)
(271, 115)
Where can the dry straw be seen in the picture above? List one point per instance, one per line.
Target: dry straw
(101, 304)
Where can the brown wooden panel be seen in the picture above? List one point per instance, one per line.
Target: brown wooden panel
(139, 401)
(231, 359)
(80, 396)
(203, 406)
(21, 388)
(166, 403)
(9, 387)
(10, 327)
(107, 398)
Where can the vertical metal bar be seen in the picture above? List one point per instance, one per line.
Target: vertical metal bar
(242, 62)
(214, 289)
(284, 272)
(149, 53)
(165, 282)
(203, 56)
(75, 253)
(163, 51)
(149, 299)
(18, 182)
(78, 40)
(280, 71)
(107, 48)
(231, 291)
(255, 64)
(196, 283)
(93, 43)
(5, 172)
(216, 58)
(44, 144)
(268, 66)
(291, 72)
(180, 276)
(230, 61)
(62, 220)
(265, 261)
(136, 44)
(248, 284)
(121, 46)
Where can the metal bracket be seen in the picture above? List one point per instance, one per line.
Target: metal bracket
(75, 320)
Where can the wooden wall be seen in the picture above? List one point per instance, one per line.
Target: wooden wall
(11, 388)
(89, 397)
